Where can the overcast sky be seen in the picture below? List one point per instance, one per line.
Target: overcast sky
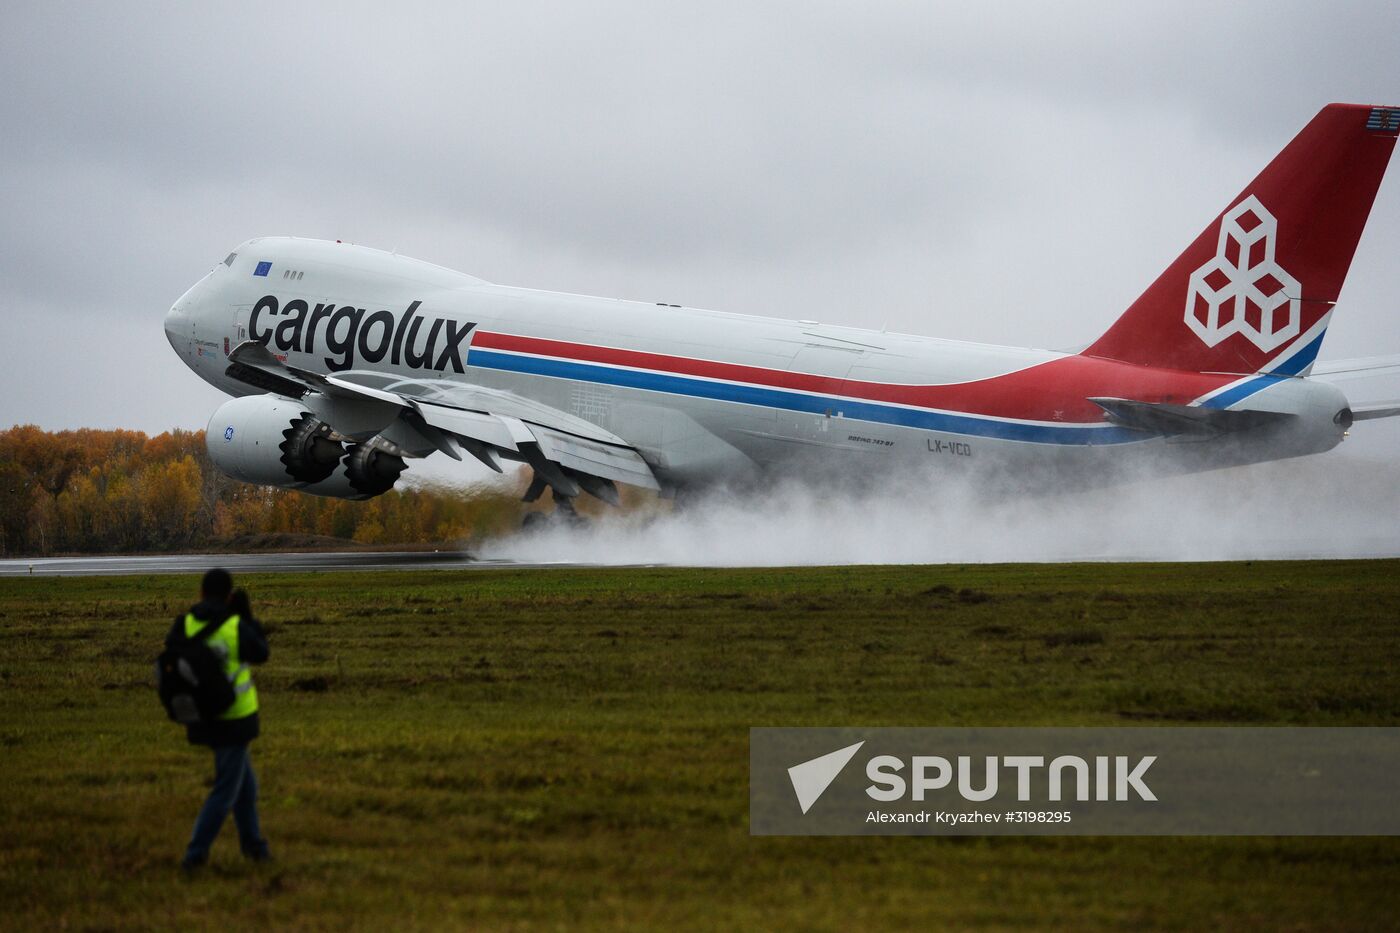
(1016, 176)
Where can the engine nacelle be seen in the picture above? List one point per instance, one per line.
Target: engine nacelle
(275, 441)
(372, 471)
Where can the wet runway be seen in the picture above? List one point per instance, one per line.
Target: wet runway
(252, 563)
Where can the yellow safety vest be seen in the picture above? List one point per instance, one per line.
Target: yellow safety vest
(224, 643)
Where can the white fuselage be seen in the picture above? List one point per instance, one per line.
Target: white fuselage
(705, 394)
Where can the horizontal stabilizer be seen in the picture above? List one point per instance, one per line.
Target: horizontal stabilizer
(1166, 419)
(1379, 410)
(1363, 368)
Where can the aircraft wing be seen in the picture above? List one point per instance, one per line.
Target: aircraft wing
(566, 452)
(1363, 368)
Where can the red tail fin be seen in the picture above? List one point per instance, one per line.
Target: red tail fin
(1254, 292)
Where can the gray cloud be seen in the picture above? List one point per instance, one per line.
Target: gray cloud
(1013, 176)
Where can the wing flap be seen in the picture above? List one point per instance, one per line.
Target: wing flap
(478, 426)
(607, 461)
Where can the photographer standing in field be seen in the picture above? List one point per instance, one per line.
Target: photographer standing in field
(239, 641)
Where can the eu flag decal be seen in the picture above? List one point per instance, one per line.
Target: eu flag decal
(262, 269)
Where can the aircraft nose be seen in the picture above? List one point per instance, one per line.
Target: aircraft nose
(177, 326)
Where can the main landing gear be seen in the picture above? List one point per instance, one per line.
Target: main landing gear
(564, 514)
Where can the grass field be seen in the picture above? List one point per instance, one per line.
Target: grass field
(565, 749)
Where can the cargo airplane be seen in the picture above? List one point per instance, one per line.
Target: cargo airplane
(344, 361)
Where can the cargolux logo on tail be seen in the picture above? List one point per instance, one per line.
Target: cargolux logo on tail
(1243, 289)
(811, 778)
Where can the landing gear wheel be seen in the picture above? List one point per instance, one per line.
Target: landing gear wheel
(565, 513)
(563, 516)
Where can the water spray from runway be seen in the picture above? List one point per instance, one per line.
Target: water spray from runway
(1319, 507)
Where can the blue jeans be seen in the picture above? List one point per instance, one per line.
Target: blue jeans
(235, 788)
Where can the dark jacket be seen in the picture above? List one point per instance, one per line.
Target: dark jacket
(252, 649)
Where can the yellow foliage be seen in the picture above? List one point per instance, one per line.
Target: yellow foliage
(94, 491)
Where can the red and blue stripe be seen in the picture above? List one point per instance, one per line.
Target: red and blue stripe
(1045, 403)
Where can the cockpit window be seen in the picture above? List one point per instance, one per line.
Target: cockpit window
(229, 261)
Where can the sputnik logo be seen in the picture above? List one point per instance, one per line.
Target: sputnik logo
(1243, 289)
(811, 778)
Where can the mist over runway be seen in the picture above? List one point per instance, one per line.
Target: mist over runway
(1321, 507)
(267, 562)
(1332, 506)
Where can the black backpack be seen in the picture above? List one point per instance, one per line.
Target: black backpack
(191, 681)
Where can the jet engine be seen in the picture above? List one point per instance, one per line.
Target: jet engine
(274, 441)
(372, 471)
